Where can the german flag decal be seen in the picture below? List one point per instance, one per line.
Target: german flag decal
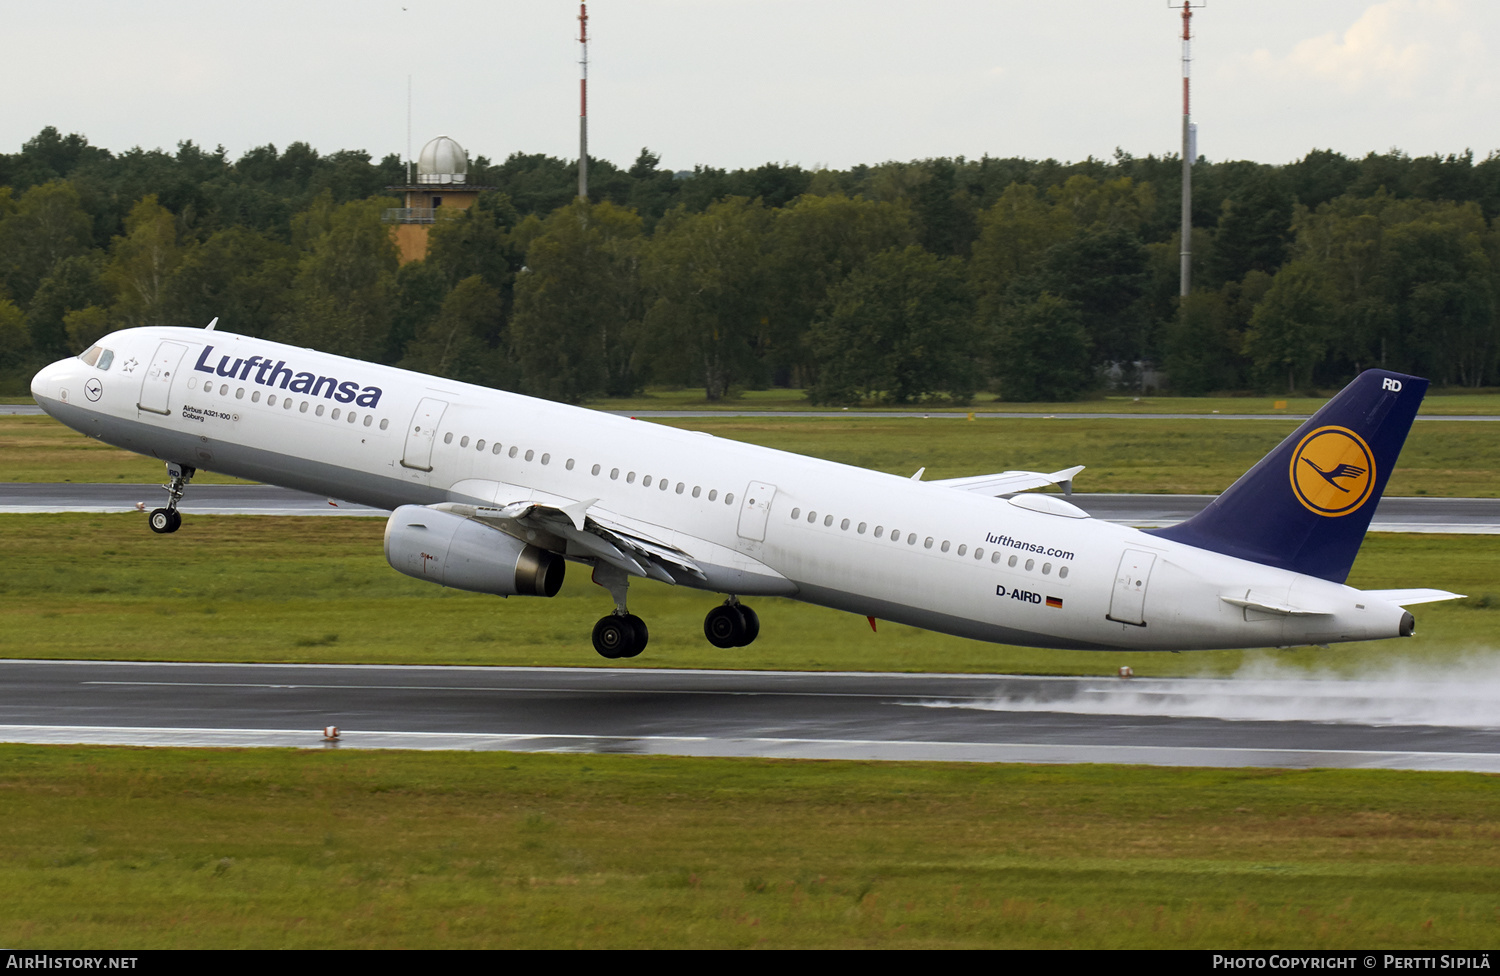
(1054, 601)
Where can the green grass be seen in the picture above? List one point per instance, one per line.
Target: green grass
(1456, 402)
(134, 848)
(249, 588)
(1172, 456)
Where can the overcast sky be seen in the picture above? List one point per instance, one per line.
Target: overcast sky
(735, 83)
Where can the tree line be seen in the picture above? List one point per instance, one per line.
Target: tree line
(898, 282)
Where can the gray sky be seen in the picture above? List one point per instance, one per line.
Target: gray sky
(735, 83)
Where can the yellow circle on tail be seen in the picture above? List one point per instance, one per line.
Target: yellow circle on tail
(1333, 471)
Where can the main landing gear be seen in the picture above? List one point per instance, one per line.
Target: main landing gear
(622, 633)
(165, 520)
(731, 624)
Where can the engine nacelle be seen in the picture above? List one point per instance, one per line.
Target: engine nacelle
(451, 550)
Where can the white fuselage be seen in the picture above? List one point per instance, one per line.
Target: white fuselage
(773, 523)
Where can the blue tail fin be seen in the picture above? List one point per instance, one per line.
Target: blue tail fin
(1306, 505)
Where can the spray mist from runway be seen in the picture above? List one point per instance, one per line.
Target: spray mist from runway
(1463, 694)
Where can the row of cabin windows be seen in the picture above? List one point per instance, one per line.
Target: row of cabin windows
(350, 416)
(911, 540)
(662, 484)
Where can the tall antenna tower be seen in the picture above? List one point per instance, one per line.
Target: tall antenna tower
(1189, 142)
(583, 101)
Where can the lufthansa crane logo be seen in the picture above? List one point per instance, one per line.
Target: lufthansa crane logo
(1333, 471)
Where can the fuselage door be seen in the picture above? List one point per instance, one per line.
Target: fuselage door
(421, 432)
(156, 387)
(756, 510)
(1127, 605)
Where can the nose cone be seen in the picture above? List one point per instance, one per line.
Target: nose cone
(55, 384)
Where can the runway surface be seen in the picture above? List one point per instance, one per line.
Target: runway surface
(1397, 724)
(1479, 516)
(30, 410)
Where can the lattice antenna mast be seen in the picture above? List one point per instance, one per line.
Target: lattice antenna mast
(583, 101)
(1189, 142)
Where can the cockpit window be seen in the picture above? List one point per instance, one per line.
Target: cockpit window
(98, 357)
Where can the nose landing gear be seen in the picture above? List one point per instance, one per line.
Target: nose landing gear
(167, 520)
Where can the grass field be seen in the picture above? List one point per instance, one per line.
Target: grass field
(1171, 456)
(254, 588)
(130, 848)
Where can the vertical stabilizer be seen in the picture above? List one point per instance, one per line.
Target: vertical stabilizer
(1306, 505)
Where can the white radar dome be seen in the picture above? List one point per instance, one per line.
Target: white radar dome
(443, 161)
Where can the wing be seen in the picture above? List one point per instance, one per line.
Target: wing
(1010, 482)
(573, 528)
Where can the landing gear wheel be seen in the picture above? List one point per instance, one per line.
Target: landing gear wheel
(752, 625)
(620, 635)
(164, 520)
(725, 626)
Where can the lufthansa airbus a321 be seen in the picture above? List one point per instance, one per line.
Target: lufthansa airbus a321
(496, 493)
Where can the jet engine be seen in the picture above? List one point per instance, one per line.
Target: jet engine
(451, 550)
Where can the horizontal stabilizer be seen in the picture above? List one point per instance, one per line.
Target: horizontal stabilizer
(1410, 598)
(1009, 482)
(1284, 609)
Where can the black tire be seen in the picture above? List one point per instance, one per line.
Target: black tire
(176, 520)
(164, 520)
(614, 637)
(724, 626)
(642, 635)
(752, 626)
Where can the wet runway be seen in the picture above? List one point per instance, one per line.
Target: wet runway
(1458, 515)
(1433, 723)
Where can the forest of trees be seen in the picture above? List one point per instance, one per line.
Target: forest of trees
(899, 282)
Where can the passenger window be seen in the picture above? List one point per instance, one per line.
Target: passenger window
(271, 400)
(796, 514)
(812, 517)
(320, 413)
(239, 394)
(594, 471)
(680, 486)
(895, 534)
(368, 418)
(844, 525)
(879, 529)
(479, 444)
(630, 478)
(384, 423)
(962, 550)
(352, 417)
(513, 451)
(827, 521)
(1062, 572)
(301, 407)
(978, 552)
(861, 529)
(945, 545)
(569, 465)
(448, 437)
(1046, 569)
(546, 458)
(286, 404)
(696, 490)
(463, 441)
(1011, 562)
(335, 413)
(255, 397)
(224, 390)
(911, 540)
(713, 493)
(729, 498)
(614, 474)
(663, 484)
(646, 481)
(496, 449)
(1030, 563)
(530, 455)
